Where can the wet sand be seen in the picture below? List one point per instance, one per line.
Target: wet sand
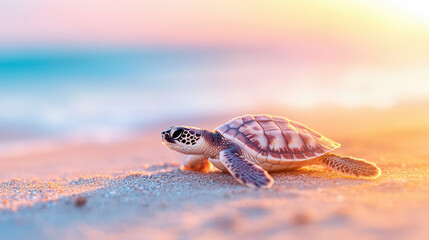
(135, 189)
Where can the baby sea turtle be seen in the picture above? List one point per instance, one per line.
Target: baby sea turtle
(250, 146)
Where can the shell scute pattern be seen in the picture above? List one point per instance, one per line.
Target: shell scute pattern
(254, 132)
(262, 154)
(246, 118)
(273, 139)
(236, 124)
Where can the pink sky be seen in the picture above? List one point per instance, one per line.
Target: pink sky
(374, 33)
(212, 23)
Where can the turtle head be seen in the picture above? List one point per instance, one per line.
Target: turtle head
(187, 140)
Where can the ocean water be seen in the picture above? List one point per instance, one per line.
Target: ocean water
(55, 91)
(107, 93)
(58, 91)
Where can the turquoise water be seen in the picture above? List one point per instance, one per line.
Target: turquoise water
(44, 92)
(107, 92)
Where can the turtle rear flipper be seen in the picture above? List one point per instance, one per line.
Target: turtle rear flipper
(350, 165)
(245, 171)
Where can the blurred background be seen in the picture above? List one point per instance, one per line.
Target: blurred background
(102, 70)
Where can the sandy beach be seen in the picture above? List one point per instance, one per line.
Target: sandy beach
(135, 188)
(87, 88)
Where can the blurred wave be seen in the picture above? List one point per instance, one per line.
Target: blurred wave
(90, 90)
(103, 94)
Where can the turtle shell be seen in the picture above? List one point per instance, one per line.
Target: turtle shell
(276, 139)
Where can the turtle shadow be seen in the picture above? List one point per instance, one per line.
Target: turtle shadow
(314, 178)
(300, 178)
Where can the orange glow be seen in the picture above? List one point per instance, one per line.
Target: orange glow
(87, 86)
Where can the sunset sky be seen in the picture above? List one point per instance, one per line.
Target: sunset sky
(88, 86)
(379, 23)
(80, 61)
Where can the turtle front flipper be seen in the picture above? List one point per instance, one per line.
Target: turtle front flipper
(245, 171)
(197, 163)
(350, 165)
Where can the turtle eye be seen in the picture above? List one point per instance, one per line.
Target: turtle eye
(176, 134)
